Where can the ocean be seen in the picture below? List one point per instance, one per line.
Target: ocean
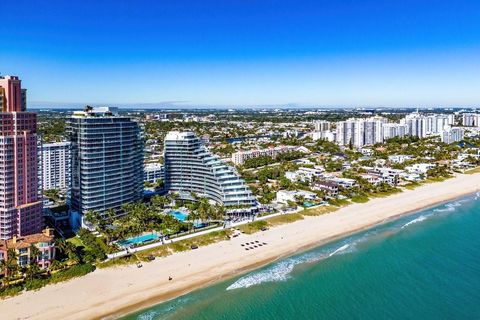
(422, 266)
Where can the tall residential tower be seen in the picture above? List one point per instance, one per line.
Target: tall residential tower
(20, 202)
(107, 160)
(191, 168)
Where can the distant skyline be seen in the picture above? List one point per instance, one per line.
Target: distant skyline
(247, 53)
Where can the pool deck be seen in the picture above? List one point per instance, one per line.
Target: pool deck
(124, 253)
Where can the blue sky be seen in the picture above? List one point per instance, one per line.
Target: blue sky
(245, 52)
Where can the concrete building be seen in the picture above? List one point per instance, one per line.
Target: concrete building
(154, 172)
(20, 198)
(240, 157)
(471, 119)
(56, 165)
(360, 132)
(321, 125)
(304, 174)
(191, 168)
(285, 196)
(392, 130)
(107, 160)
(451, 135)
(330, 188)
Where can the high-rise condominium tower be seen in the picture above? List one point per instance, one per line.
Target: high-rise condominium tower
(107, 160)
(20, 203)
(56, 165)
(190, 167)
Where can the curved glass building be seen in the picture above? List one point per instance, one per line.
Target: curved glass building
(107, 160)
(190, 167)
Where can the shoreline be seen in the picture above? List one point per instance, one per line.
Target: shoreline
(128, 310)
(114, 292)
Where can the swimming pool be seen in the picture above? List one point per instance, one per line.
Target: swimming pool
(308, 204)
(137, 240)
(179, 215)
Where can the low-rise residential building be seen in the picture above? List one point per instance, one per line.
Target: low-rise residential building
(420, 168)
(399, 158)
(387, 175)
(374, 179)
(330, 188)
(304, 174)
(344, 182)
(22, 246)
(413, 177)
(240, 157)
(284, 196)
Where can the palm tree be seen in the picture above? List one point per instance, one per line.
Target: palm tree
(34, 254)
(32, 270)
(11, 267)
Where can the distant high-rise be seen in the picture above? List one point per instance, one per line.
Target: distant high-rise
(322, 125)
(107, 160)
(56, 164)
(471, 119)
(451, 135)
(360, 132)
(190, 167)
(20, 202)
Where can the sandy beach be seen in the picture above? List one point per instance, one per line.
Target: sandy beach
(111, 292)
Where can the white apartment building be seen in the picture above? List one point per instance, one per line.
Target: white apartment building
(325, 135)
(240, 157)
(471, 119)
(422, 126)
(391, 130)
(56, 165)
(399, 158)
(360, 132)
(451, 135)
(153, 172)
(304, 174)
(322, 125)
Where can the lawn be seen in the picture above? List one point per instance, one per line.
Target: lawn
(253, 227)
(473, 171)
(284, 218)
(318, 211)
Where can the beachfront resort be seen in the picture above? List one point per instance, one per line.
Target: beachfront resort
(123, 187)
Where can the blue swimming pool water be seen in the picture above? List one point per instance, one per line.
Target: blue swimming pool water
(179, 215)
(308, 204)
(137, 240)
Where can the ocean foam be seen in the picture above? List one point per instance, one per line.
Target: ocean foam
(281, 271)
(419, 219)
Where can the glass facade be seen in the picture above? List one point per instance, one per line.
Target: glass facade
(107, 161)
(190, 167)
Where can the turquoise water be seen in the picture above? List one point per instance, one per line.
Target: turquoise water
(308, 204)
(424, 266)
(137, 240)
(179, 215)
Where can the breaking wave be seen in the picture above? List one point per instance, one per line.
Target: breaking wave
(281, 270)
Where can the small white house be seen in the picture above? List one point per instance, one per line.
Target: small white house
(284, 196)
